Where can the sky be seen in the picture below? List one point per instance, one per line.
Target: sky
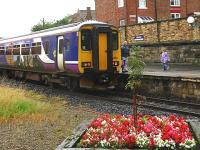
(18, 16)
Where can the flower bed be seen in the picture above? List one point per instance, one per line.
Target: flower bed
(116, 131)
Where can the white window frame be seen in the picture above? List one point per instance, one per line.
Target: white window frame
(142, 4)
(120, 3)
(175, 2)
(176, 15)
(122, 22)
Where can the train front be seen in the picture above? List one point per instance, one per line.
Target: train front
(99, 55)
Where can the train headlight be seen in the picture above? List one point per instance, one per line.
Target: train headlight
(115, 63)
(86, 64)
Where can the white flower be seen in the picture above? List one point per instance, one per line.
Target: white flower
(104, 143)
(188, 144)
(103, 123)
(142, 140)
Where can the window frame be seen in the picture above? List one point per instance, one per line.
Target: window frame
(142, 4)
(16, 50)
(179, 14)
(117, 42)
(176, 3)
(90, 40)
(25, 49)
(46, 47)
(120, 3)
(2, 50)
(9, 50)
(34, 50)
(122, 24)
(67, 44)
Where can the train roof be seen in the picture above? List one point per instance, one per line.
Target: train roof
(52, 31)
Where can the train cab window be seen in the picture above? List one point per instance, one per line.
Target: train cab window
(9, 50)
(86, 39)
(16, 50)
(115, 40)
(25, 50)
(46, 47)
(36, 48)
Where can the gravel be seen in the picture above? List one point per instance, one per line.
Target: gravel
(47, 134)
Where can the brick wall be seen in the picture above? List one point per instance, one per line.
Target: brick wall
(162, 31)
(176, 36)
(108, 11)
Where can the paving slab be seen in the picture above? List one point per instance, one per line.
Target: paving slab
(184, 71)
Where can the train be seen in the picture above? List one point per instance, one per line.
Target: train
(82, 54)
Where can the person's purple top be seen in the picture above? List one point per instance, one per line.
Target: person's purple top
(164, 57)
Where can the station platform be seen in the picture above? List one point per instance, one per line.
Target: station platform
(181, 80)
(175, 70)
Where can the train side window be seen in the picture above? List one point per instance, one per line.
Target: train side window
(16, 50)
(36, 48)
(2, 52)
(25, 49)
(46, 47)
(9, 50)
(61, 46)
(115, 40)
(86, 39)
(68, 45)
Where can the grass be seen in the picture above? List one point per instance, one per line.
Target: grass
(29, 115)
(17, 102)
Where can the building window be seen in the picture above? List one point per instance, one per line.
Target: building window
(120, 3)
(175, 2)
(142, 4)
(175, 15)
(122, 23)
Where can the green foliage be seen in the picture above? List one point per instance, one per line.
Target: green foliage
(47, 24)
(135, 67)
(20, 107)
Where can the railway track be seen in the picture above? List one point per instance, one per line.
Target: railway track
(161, 104)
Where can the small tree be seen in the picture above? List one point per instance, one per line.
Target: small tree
(135, 67)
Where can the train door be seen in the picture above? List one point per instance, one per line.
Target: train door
(103, 48)
(60, 56)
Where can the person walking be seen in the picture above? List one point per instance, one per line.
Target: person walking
(165, 60)
(124, 54)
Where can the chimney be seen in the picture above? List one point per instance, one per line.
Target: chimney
(89, 14)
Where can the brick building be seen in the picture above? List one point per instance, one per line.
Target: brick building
(82, 15)
(128, 12)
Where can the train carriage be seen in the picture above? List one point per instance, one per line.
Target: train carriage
(86, 53)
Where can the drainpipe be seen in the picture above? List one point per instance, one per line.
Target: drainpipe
(186, 7)
(136, 12)
(156, 12)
